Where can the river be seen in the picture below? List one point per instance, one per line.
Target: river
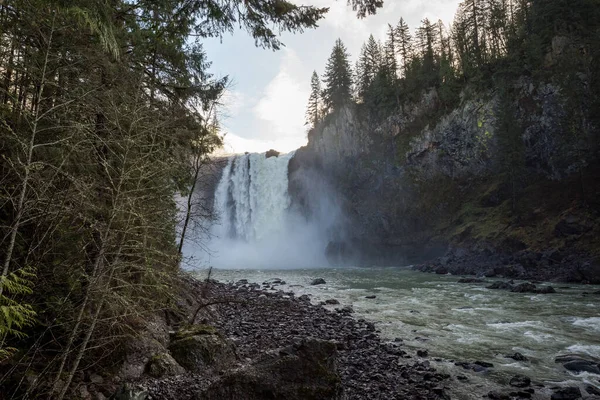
(461, 322)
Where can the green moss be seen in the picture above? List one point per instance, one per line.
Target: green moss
(194, 330)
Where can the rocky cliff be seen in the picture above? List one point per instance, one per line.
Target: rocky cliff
(426, 181)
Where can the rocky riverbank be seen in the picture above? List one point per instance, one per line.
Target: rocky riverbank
(272, 344)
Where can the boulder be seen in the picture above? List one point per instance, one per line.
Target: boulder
(500, 285)
(272, 153)
(545, 290)
(517, 357)
(371, 296)
(303, 371)
(200, 346)
(163, 364)
(524, 288)
(129, 392)
(318, 281)
(592, 390)
(520, 381)
(578, 366)
(568, 393)
(498, 396)
(332, 301)
(470, 280)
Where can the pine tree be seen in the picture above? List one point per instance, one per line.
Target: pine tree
(404, 40)
(313, 111)
(338, 78)
(390, 52)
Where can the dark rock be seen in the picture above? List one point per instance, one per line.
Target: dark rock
(305, 371)
(500, 285)
(570, 226)
(272, 153)
(318, 281)
(524, 288)
(484, 364)
(163, 364)
(332, 301)
(546, 290)
(422, 353)
(498, 396)
(568, 393)
(594, 391)
(517, 357)
(201, 346)
(471, 280)
(372, 296)
(582, 366)
(441, 270)
(520, 381)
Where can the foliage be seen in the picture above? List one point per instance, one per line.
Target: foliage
(338, 78)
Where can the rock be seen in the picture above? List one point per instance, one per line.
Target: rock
(520, 381)
(422, 353)
(441, 270)
(484, 364)
(128, 392)
(568, 393)
(304, 371)
(318, 281)
(272, 153)
(97, 379)
(517, 357)
(578, 366)
(470, 280)
(163, 364)
(594, 391)
(332, 301)
(372, 296)
(200, 346)
(524, 288)
(500, 285)
(498, 396)
(546, 290)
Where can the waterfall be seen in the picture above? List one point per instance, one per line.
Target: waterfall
(256, 224)
(252, 198)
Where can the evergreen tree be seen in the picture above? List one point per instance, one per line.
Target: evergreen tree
(404, 44)
(390, 52)
(313, 111)
(338, 78)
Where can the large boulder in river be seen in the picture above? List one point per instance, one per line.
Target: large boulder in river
(163, 364)
(200, 346)
(304, 371)
(318, 281)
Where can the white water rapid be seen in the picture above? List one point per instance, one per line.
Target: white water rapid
(256, 226)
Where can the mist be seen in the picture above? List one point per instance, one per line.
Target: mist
(259, 224)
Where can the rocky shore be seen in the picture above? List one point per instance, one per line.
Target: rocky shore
(270, 344)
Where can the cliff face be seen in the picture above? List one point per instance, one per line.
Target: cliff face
(425, 181)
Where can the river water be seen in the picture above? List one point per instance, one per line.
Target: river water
(461, 322)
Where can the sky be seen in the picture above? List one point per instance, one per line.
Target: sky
(265, 106)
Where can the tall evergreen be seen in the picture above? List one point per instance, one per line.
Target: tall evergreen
(338, 78)
(404, 40)
(313, 111)
(390, 52)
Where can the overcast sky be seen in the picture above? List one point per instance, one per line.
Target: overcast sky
(267, 102)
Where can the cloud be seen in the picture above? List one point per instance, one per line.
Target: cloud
(280, 109)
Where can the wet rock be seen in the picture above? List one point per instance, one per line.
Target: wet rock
(498, 396)
(441, 270)
(568, 393)
(579, 366)
(500, 285)
(318, 281)
(372, 296)
(332, 301)
(594, 391)
(272, 153)
(520, 381)
(517, 357)
(422, 353)
(546, 290)
(163, 364)
(471, 280)
(306, 371)
(200, 346)
(484, 364)
(524, 288)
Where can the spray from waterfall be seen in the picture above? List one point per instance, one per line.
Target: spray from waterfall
(257, 226)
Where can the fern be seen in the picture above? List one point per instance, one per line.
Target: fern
(15, 316)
